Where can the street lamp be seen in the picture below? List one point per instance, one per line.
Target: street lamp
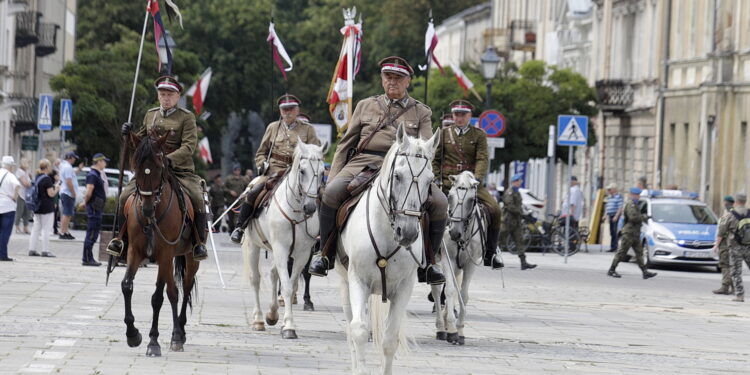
(163, 43)
(490, 61)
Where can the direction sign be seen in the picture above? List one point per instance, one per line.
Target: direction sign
(572, 130)
(493, 122)
(66, 115)
(44, 121)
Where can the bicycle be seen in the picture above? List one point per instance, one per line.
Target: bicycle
(547, 235)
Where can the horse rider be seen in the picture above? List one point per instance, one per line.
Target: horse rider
(183, 139)
(275, 154)
(371, 132)
(464, 148)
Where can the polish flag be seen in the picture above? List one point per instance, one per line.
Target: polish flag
(205, 150)
(462, 79)
(278, 50)
(430, 42)
(341, 90)
(199, 89)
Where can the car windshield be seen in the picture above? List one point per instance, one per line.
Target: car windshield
(682, 213)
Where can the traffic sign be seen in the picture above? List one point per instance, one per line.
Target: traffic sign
(66, 115)
(493, 122)
(494, 143)
(44, 121)
(572, 130)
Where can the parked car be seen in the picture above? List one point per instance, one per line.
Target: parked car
(531, 204)
(113, 177)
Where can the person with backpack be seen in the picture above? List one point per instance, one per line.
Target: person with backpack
(736, 228)
(42, 202)
(9, 187)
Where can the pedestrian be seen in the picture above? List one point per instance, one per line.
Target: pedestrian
(492, 189)
(723, 246)
(22, 212)
(613, 211)
(735, 229)
(235, 184)
(512, 221)
(275, 155)
(9, 188)
(573, 203)
(631, 235)
(217, 197)
(249, 174)
(47, 182)
(94, 200)
(68, 192)
(642, 183)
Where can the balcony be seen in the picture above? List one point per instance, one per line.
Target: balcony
(26, 28)
(614, 94)
(47, 43)
(523, 35)
(25, 116)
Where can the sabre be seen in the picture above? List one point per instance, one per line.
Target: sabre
(453, 277)
(244, 193)
(211, 234)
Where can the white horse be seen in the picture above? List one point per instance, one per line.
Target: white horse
(383, 237)
(464, 246)
(287, 228)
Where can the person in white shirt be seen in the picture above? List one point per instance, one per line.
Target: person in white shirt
(68, 192)
(9, 187)
(573, 204)
(23, 213)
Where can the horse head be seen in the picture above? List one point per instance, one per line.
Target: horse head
(150, 167)
(306, 174)
(405, 183)
(462, 199)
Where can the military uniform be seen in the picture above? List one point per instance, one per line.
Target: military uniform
(737, 252)
(465, 149)
(511, 226)
(217, 197)
(235, 184)
(726, 277)
(370, 113)
(280, 140)
(631, 236)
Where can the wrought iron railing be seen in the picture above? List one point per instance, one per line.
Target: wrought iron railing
(522, 34)
(25, 114)
(26, 28)
(614, 94)
(47, 43)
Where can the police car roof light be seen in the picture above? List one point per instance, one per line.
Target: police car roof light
(673, 194)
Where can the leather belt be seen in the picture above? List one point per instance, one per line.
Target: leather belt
(283, 158)
(376, 153)
(459, 167)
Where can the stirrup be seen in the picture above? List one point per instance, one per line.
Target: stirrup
(319, 266)
(114, 248)
(237, 234)
(433, 275)
(200, 252)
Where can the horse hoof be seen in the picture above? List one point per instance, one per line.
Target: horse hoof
(288, 334)
(452, 338)
(153, 351)
(461, 340)
(309, 306)
(176, 347)
(134, 341)
(271, 321)
(259, 326)
(441, 336)
(281, 302)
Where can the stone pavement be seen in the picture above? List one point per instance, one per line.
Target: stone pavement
(58, 317)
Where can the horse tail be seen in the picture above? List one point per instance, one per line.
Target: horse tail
(407, 343)
(180, 265)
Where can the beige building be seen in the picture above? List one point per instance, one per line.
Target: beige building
(707, 101)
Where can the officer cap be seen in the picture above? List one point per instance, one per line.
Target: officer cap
(395, 64)
(516, 177)
(461, 106)
(303, 117)
(729, 198)
(635, 190)
(447, 119)
(168, 83)
(288, 100)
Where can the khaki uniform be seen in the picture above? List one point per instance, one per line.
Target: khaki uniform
(737, 252)
(465, 151)
(365, 119)
(724, 264)
(183, 139)
(283, 140)
(513, 210)
(217, 198)
(237, 185)
(631, 234)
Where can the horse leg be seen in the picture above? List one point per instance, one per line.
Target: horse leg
(188, 283)
(439, 320)
(309, 306)
(157, 299)
(134, 260)
(399, 299)
(289, 281)
(346, 305)
(253, 255)
(468, 273)
(173, 296)
(451, 289)
(272, 317)
(358, 327)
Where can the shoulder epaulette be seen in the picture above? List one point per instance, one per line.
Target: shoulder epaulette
(153, 109)
(185, 110)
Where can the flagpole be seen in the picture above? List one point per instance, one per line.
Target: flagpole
(350, 69)
(270, 76)
(429, 61)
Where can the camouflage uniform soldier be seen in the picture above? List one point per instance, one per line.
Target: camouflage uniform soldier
(631, 235)
(726, 278)
(371, 117)
(464, 148)
(275, 154)
(217, 196)
(183, 139)
(512, 212)
(235, 184)
(737, 251)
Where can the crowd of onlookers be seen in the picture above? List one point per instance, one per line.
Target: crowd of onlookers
(39, 197)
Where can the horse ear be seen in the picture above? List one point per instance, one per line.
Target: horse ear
(163, 139)
(474, 182)
(401, 136)
(435, 141)
(452, 178)
(324, 148)
(133, 140)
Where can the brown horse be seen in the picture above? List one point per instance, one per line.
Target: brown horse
(157, 230)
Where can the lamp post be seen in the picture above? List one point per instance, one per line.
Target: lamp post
(490, 61)
(163, 43)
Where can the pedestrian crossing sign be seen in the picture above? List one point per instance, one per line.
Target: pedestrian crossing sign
(572, 130)
(66, 115)
(44, 121)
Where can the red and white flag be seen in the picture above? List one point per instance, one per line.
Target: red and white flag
(205, 150)
(341, 90)
(278, 50)
(430, 42)
(464, 81)
(199, 89)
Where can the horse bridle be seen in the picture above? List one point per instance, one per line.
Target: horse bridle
(151, 193)
(464, 217)
(392, 210)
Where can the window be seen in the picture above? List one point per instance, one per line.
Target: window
(682, 213)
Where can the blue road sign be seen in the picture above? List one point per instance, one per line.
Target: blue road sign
(44, 121)
(493, 122)
(66, 115)
(572, 130)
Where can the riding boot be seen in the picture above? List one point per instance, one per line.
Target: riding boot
(199, 250)
(116, 245)
(525, 265)
(490, 251)
(246, 212)
(324, 261)
(433, 275)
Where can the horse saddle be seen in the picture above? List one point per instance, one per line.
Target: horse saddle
(269, 188)
(356, 189)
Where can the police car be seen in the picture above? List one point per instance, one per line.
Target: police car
(681, 230)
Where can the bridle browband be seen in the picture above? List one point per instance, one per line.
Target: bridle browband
(392, 208)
